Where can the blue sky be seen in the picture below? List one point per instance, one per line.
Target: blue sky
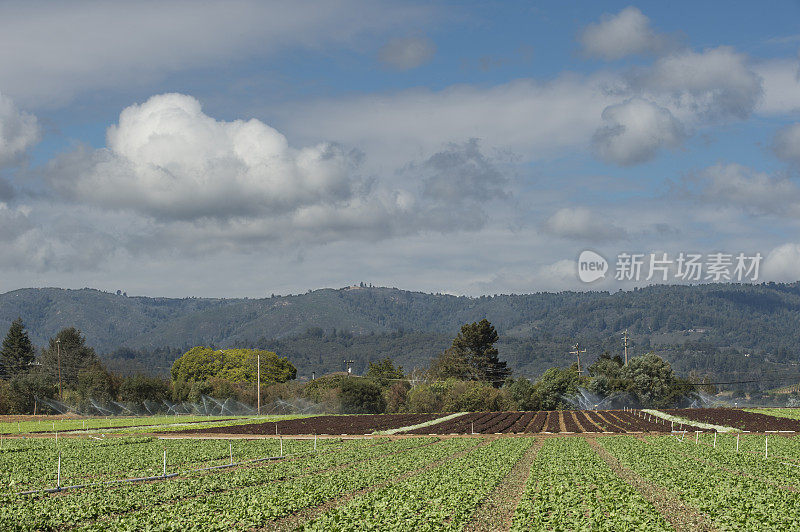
(247, 148)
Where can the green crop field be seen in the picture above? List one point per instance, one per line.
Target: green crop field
(613, 482)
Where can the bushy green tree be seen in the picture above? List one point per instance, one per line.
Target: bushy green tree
(651, 381)
(361, 396)
(17, 351)
(138, 388)
(94, 382)
(523, 392)
(384, 372)
(396, 396)
(423, 398)
(475, 396)
(26, 391)
(234, 365)
(555, 386)
(606, 376)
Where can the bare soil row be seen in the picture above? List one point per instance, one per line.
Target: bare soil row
(335, 425)
(737, 418)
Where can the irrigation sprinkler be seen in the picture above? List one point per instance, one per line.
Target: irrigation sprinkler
(230, 449)
(281, 438)
(165, 463)
(58, 474)
(696, 437)
(315, 442)
(473, 428)
(715, 439)
(766, 444)
(737, 442)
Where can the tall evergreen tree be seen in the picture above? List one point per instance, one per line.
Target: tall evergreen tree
(75, 356)
(17, 351)
(473, 356)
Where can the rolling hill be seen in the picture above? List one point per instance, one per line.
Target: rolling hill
(729, 330)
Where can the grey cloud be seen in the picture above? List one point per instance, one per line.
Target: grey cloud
(580, 223)
(462, 172)
(755, 192)
(716, 84)
(634, 131)
(61, 49)
(786, 143)
(18, 131)
(61, 244)
(405, 53)
(6, 191)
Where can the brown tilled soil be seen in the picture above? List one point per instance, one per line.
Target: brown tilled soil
(737, 418)
(580, 422)
(497, 510)
(335, 425)
(679, 514)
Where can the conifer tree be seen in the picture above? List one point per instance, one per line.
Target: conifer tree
(17, 351)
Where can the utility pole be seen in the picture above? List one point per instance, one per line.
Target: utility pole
(625, 336)
(258, 380)
(577, 353)
(58, 351)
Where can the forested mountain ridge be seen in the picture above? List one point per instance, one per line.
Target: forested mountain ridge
(699, 327)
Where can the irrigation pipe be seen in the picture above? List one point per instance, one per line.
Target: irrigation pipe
(77, 486)
(159, 477)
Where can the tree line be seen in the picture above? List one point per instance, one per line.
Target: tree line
(466, 376)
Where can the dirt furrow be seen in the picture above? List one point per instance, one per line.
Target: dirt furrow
(293, 521)
(496, 512)
(679, 514)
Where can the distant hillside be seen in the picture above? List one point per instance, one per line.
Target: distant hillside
(731, 330)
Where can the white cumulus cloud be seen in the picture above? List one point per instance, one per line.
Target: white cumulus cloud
(782, 263)
(197, 184)
(626, 33)
(634, 131)
(167, 158)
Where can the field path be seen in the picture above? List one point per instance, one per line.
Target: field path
(679, 514)
(497, 511)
